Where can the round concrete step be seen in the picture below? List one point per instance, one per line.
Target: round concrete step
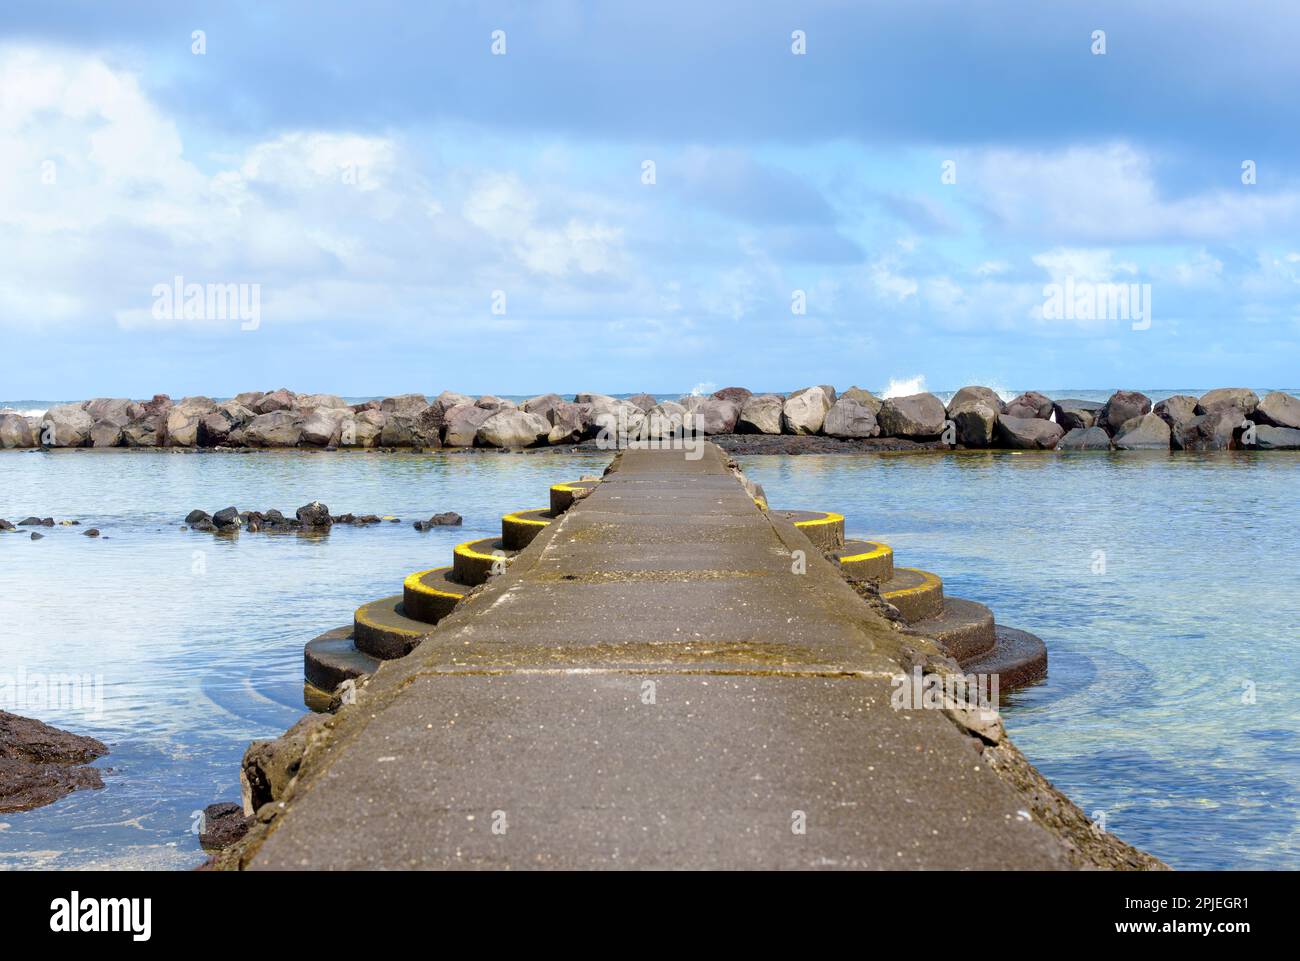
(1018, 658)
(332, 658)
(563, 495)
(430, 596)
(823, 528)
(519, 529)
(314, 699)
(963, 629)
(917, 594)
(472, 563)
(863, 560)
(382, 629)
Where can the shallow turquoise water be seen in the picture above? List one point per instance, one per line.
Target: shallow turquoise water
(198, 641)
(1142, 716)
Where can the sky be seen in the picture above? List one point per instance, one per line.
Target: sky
(523, 197)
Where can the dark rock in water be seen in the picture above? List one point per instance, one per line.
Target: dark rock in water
(36, 522)
(314, 515)
(1177, 411)
(5, 525)
(1122, 407)
(369, 519)
(976, 421)
(196, 515)
(1277, 438)
(1220, 429)
(91, 532)
(1278, 409)
(1030, 404)
(1028, 433)
(227, 517)
(446, 519)
(40, 764)
(36, 536)
(204, 525)
(273, 516)
(1074, 414)
(224, 823)
(1147, 432)
(1085, 438)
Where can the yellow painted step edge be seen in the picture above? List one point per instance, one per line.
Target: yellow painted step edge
(830, 518)
(413, 584)
(928, 582)
(516, 519)
(880, 550)
(467, 550)
(409, 632)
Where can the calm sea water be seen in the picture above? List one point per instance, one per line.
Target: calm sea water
(198, 641)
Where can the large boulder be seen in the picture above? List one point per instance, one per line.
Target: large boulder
(114, 410)
(249, 397)
(1027, 433)
(1177, 411)
(1143, 432)
(864, 397)
(493, 402)
(405, 404)
(1030, 404)
(976, 422)
(615, 420)
(412, 425)
(365, 428)
(66, 425)
(1220, 429)
(543, 404)
(106, 433)
(282, 399)
(1277, 438)
(850, 418)
(805, 410)
(449, 399)
(314, 516)
(279, 428)
(328, 401)
(985, 395)
(461, 423)
(914, 416)
(716, 415)
(147, 431)
(1278, 409)
(513, 428)
(1074, 414)
(1085, 438)
(1120, 408)
(663, 420)
(323, 426)
(568, 423)
(1241, 398)
(157, 405)
(644, 401)
(182, 425)
(737, 395)
(15, 431)
(761, 414)
(594, 399)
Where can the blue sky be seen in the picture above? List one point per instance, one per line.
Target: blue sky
(379, 174)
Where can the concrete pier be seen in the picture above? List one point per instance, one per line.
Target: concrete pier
(656, 681)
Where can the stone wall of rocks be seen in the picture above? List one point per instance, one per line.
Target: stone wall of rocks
(1227, 418)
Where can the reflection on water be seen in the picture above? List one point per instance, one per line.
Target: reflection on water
(1165, 586)
(198, 640)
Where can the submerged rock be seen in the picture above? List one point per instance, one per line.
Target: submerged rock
(315, 516)
(40, 764)
(445, 519)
